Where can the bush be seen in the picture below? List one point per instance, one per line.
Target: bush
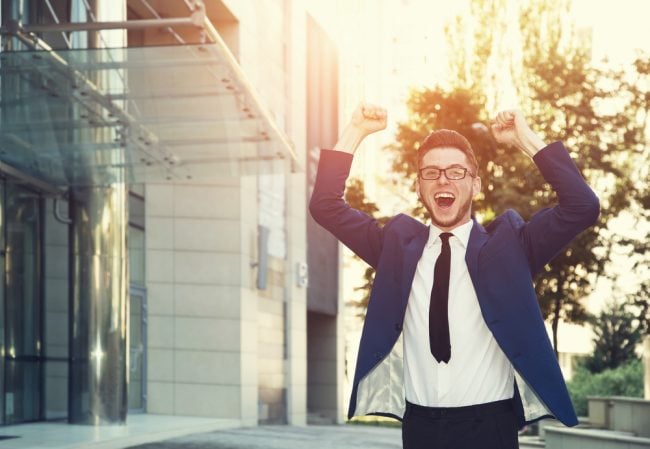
(626, 380)
(616, 337)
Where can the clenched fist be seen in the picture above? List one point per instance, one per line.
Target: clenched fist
(369, 118)
(510, 128)
(366, 119)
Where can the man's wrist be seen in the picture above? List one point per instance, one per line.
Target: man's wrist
(531, 143)
(350, 139)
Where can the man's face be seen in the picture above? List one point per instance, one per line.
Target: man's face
(449, 202)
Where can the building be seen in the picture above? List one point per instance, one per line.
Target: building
(154, 234)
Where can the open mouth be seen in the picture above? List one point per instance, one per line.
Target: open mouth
(444, 199)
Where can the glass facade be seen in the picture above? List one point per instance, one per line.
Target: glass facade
(137, 393)
(34, 365)
(137, 350)
(24, 359)
(95, 120)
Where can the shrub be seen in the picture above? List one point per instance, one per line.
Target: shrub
(626, 380)
(616, 337)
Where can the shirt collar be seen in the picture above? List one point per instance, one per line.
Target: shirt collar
(461, 233)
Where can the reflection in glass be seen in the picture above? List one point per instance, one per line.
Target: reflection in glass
(23, 339)
(137, 352)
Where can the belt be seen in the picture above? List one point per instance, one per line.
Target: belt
(469, 411)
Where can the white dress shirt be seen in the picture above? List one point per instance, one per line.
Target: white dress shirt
(478, 371)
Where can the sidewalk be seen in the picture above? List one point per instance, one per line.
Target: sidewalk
(174, 432)
(140, 429)
(289, 437)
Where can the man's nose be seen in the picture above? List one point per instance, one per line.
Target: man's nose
(443, 178)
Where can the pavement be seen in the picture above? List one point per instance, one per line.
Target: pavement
(146, 431)
(291, 437)
(139, 429)
(288, 437)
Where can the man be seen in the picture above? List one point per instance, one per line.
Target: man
(453, 342)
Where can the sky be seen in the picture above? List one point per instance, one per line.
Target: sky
(620, 27)
(387, 46)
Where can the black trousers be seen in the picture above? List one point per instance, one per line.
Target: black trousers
(485, 426)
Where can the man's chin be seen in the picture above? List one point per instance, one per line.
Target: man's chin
(446, 222)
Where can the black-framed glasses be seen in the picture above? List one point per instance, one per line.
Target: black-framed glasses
(451, 173)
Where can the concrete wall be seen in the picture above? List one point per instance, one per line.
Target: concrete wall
(296, 129)
(199, 356)
(218, 346)
(325, 368)
(271, 53)
(271, 313)
(325, 339)
(571, 438)
(620, 413)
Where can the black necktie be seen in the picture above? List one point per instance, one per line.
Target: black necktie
(438, 316)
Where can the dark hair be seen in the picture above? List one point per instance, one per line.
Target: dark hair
(448, 138)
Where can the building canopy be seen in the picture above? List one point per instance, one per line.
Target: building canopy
(141, 114)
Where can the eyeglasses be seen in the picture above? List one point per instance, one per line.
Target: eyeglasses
(451, 173)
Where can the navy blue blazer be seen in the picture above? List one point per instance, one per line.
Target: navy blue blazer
(502, 259)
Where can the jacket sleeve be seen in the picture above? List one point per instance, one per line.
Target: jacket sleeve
(551, 229)
(356, 230)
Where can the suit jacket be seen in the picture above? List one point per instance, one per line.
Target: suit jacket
(502, 259)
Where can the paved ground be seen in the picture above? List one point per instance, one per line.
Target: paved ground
(288, 437)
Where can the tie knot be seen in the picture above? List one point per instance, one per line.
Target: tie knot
(445, 237)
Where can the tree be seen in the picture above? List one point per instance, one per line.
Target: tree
(615, 338)
(355, 196)
(564, 95)
(600, 113)
(639, 249)
(640, 302)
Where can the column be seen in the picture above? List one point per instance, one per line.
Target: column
(98, 290)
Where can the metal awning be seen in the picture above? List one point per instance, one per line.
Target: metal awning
(136, 115)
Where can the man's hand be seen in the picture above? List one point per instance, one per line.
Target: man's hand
(510, 128)
(369, 118)
(366, 119)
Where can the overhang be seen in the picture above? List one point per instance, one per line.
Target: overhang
(142, 114)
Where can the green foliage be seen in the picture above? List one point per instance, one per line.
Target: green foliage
(563, 97)
(626, 380)
(616, 336)
(600, 113)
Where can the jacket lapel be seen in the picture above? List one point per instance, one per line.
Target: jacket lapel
(477, 238)
(412, 253)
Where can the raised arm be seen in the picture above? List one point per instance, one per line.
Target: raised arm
(551, 229)
(359, 232)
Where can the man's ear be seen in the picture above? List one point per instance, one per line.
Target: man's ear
(476, 186)
(417, 188)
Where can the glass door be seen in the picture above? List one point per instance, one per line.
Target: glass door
(2, 303)
(23, 339)
(137, 350)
